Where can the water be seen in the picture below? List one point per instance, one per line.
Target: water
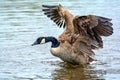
(22, 21)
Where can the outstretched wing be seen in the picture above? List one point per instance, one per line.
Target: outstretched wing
(94, 27)
(55, 14)
(103, 27)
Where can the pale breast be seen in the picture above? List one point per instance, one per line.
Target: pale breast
(63, 52)
(56, 51)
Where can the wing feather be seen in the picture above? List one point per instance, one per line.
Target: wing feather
(47, 6)
(82, 48)
(55, 14)
(104, 27)
(95, 27)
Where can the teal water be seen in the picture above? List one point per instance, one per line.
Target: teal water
(22, 21)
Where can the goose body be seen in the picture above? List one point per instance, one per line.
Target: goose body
(82, 34)
(66, 53)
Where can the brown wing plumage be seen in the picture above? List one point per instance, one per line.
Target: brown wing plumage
(82, 49)
(55, 14)
(104, 26)
(94, 27)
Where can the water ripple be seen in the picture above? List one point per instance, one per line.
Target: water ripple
(22, 21)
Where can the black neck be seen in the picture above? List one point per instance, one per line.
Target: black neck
(54, 41)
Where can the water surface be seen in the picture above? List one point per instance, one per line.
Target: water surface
(22, 21)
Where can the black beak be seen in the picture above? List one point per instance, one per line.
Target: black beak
(35, 43)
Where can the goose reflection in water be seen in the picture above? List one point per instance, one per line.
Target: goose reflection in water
(70, 72)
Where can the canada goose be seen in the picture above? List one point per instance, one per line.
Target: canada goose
(81, 34)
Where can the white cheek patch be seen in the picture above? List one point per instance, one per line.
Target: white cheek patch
(43, 41)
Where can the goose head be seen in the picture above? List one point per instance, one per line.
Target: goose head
(43, 40)
(40, 40)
